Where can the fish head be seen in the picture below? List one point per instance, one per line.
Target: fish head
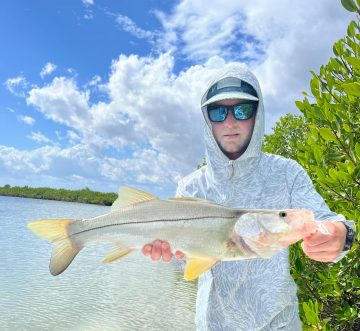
(264, 233)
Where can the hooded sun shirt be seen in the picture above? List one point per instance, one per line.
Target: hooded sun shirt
(256, 294)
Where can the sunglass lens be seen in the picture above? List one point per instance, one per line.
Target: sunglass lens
(244, 111)
(217, 113)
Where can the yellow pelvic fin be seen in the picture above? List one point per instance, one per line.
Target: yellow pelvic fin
(64, 251)
(130, 196)
(117, 252)
(197, 265)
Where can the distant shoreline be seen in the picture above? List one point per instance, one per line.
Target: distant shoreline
(82, 196)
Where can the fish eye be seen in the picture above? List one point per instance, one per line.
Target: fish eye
(282, 213)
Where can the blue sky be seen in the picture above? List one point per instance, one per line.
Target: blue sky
(100, 94)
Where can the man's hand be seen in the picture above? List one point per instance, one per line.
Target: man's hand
(160, 248)
(325, 247)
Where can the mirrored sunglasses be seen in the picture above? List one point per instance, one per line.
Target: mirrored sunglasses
(240, 111)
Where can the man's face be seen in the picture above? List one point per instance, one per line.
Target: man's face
(232, 136)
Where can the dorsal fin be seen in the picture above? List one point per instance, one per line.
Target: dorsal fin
(129, 196)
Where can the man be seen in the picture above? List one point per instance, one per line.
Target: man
(257, 294)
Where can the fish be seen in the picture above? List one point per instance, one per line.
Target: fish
(208, 233)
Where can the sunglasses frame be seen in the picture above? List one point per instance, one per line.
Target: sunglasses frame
(232, 109)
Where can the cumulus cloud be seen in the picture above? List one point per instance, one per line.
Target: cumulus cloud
(47, 69)
(61, 101)
(17, 86)
(26, 119)
(39, 138)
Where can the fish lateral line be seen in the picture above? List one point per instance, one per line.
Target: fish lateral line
(147, 222)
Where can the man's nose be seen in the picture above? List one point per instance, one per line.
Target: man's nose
(230, 119)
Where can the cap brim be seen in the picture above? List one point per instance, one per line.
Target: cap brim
(230, 95)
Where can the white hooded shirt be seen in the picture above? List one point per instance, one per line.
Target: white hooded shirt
(256, 294)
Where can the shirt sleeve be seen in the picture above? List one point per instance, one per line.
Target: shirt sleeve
(304, 195)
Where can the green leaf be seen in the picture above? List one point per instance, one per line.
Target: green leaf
(327, 134)
(320, 174)
(317, 153)
(351, 29)
(310, 315)
(354, 61)
(349, 5)
(343, 175)
(347, 128)
(357, 149)
(356, 282)
(333, 174)
(299, 105)
(352, 88)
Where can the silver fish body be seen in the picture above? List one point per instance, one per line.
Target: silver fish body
(206, 232)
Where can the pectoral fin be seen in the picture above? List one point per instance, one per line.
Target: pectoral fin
(197, 265)
(116, 253)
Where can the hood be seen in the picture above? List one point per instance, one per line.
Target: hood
(219, 166)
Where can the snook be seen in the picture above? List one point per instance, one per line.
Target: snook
(206, 232)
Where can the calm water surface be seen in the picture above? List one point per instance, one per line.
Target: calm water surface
(133, 294)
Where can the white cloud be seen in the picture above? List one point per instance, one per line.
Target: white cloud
(17, 86)
(88, 2)
(61, 101)
(26, 119)
(129, 26)
(39, 138)
(72, 136)
(47, 69)
(95, 81)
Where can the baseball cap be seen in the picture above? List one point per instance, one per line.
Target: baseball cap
(229, 88)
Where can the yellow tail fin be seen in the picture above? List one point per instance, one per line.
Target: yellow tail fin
(64, 250)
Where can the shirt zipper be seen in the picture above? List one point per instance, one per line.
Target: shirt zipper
(231, 164)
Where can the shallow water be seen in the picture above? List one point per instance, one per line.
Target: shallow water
(133, 294)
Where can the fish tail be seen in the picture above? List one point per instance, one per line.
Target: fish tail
(64, 249)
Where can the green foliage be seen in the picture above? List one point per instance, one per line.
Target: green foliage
(350, 5)
(327, 145)
(289, 134)
(82, 196)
